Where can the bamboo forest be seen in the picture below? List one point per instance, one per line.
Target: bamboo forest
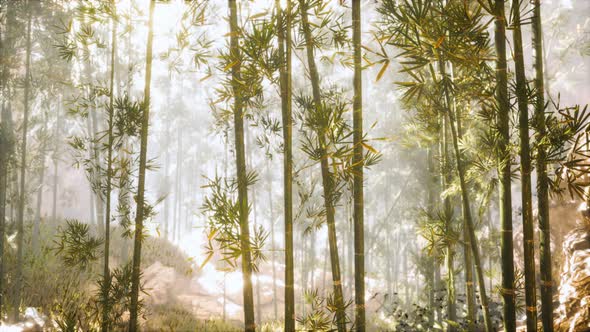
(294, 165)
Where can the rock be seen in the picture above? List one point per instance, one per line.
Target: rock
(32, 315)
(574, 291)
(159, 281)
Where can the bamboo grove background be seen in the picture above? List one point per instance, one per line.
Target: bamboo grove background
(395, 165)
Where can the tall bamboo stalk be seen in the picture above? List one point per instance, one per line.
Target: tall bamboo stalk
(525, 176)
(542, 179)
(467, 256)
(286, 105)
(23, 168)
(6, 137)
(4, 158)
(272, 239)
(140, 209)
(469, 287)
(358, 214)
(504, 161)
(250, 323)
(466, 207)
(107, 221)
(448, 215)
(327, 177)
(36, 234)
(56, 160)
(5, 155)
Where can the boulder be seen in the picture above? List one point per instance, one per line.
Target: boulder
(574, 290)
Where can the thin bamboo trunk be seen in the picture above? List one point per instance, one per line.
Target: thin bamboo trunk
(406, 272)
(125, 155)
(56, 162)
(272, 241)
(179, 165)
(4, 156)
(448, 215)
(395, 266)
(35, 236)
(176, 213)
(255, 217)
(469, 289)
(326, 175)
(311, 261)
(431, 208)
(542, 179)
(3, 183)
(90, 128)
(324, 269)
(14, 193)
(466, 205)
(23, 168)
(286, 105)
(105, 323)
(225, 264)
(6, 150)
(437, 288)
(350, 248)
(249, 320)
(6, 139)
(525, 173)
(167, 189)
(167, 182)
(254, 205)
(504, 161)
(389, 267)
(358, 214)
(139, 215)
(99, 203)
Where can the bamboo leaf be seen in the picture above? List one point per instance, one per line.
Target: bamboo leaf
(382, 70)
(206, 260)
(255, 16)
(368, 147)
(439, 41)
(229, 66)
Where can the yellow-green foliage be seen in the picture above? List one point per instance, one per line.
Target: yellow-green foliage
(66, 293)
(176, 318)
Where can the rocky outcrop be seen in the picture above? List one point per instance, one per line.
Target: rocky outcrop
(574, 290)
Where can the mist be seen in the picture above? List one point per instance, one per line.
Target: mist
(292, 165)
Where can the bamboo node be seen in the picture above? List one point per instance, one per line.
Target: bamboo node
(531, 308)
(469, 283)
(337, 282)
(508, 291)
(547, 283)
